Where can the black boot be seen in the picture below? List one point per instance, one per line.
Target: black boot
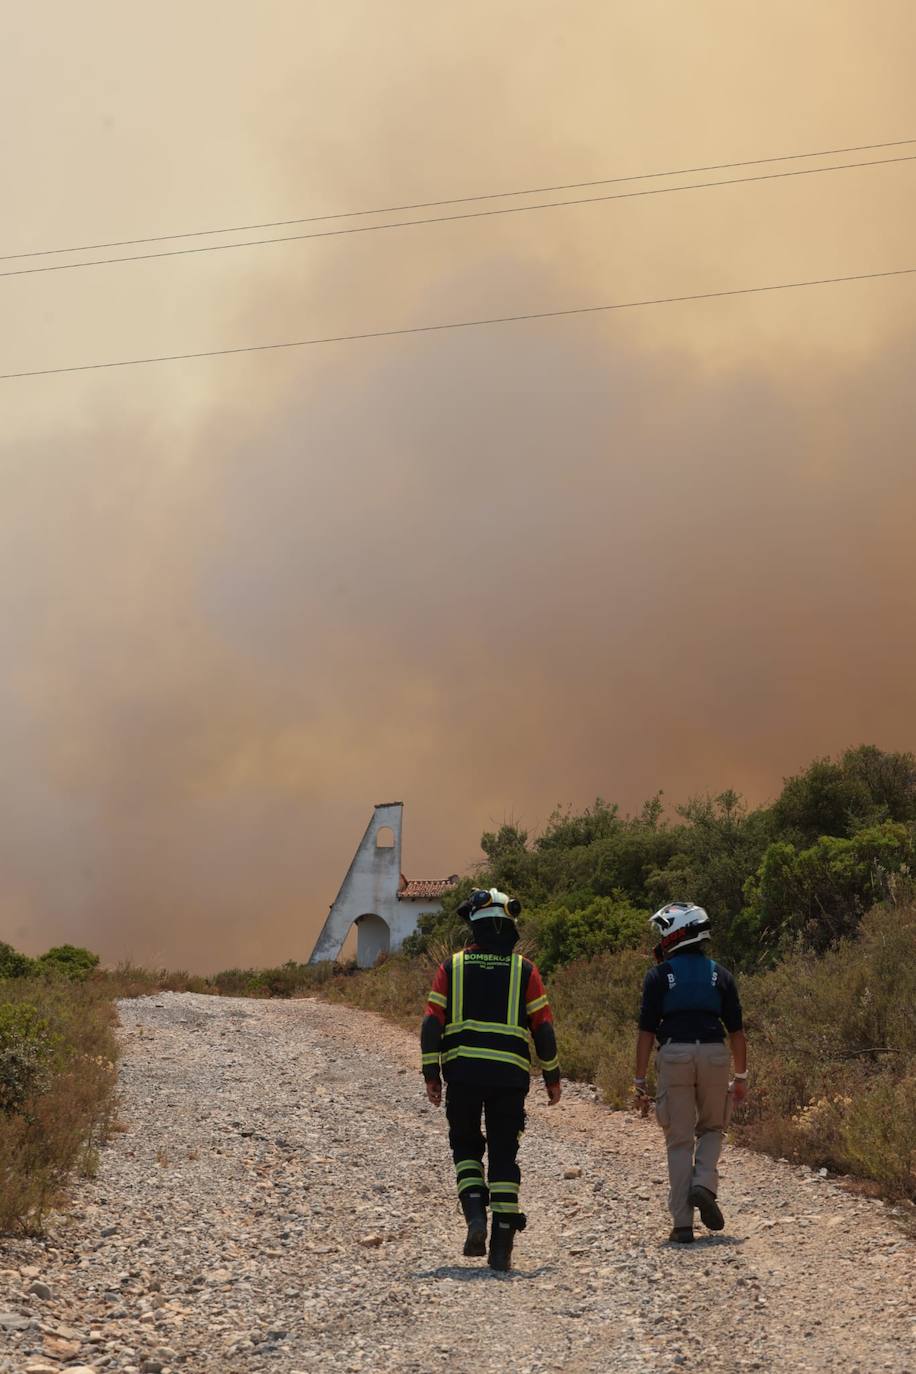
(502, 1234)
(474, 1206)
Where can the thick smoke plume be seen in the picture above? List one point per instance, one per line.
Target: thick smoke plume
(484, 572)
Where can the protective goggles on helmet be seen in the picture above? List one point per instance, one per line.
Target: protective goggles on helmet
(493, 903)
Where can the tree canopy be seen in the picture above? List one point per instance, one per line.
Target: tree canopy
(839, 837)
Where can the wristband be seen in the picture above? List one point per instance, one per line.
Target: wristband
(641, 1082)
(740, 1076)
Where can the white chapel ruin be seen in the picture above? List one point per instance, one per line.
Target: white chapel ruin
(376, 896)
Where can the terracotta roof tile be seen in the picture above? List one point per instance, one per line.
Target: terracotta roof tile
(425, 889)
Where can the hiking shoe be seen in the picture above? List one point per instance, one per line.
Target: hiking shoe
(682, 1235)
(475, 1214)
(706, 1205)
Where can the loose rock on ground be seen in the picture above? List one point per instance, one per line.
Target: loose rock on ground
(282, 1200)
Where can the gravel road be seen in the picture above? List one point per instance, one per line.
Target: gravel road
(281, 1200)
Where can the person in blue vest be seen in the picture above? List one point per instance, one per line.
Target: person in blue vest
(483, 1003)
(690, 1005)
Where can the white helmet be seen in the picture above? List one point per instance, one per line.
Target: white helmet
(493, 903)
(680, 924)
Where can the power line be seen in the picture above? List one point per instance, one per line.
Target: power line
(456, 200)
(462, 324)
(467, 214)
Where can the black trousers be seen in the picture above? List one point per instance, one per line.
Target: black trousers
(503, 1111)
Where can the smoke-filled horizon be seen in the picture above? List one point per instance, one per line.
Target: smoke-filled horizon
(487, 572)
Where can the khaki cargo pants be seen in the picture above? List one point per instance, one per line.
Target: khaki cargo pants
(691, 1106)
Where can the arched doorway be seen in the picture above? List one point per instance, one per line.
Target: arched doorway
(372, 939)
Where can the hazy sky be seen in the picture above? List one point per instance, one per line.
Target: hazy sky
(243, 599)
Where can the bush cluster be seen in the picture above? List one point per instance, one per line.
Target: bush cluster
(26, 1047)
(840, 837)
(287, 980)
(65, 961)
(57, 1085)
(13, 964)
(834, 1053)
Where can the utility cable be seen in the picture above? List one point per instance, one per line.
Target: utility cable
(464, 215)
(455, 200)
(461, 324)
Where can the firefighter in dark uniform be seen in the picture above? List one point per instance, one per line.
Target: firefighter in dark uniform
(483, 1002)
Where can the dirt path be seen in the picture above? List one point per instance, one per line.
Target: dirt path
(282, 1200)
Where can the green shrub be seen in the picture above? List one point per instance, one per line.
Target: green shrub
(595, 1004)
(60, 1032)
(291, 979)
(287, 980)
(69, 960)
(821, 893)
(396, 988)
(131, 980)
(26, 1048)
(835, 841)
(878, 1133)
(864, 787)
(603, 925)
(240, 982)
(832, 1041)
(13, 964)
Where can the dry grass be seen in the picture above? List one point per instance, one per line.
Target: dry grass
(595, 1002)
(832, 1047)
(130, 980)
(832, 1038)
(832, 1042)
(396, 989)
(58, 1127)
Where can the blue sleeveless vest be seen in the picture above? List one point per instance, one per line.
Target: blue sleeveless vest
(692, 985)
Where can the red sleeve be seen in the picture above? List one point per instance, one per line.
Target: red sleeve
(438, 995)
(537, 1006)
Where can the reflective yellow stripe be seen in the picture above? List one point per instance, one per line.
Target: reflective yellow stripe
(472, 1052)
(532, 1007)
(490, 1027)
(504, 1207)
(458, 985)
(550, 1064)
(503, 1187)
(437, 999)
(515, 990)
(429, 1059)
(470, 1174)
